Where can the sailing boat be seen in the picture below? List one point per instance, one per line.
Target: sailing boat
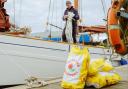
(22, 57)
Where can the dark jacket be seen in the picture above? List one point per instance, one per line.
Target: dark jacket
(76, 17)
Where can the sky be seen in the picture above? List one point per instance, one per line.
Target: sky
(35, 13)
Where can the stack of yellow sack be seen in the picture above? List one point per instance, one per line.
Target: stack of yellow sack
(80, 71)
(99, 76)
(76, 69)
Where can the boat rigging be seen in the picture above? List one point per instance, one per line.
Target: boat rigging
(119, 46)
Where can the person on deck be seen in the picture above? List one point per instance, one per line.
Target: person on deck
(4, 17)
(70, 8)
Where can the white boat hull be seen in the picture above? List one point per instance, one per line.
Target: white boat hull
(21, 58)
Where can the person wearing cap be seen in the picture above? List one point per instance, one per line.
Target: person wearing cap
(70, 8)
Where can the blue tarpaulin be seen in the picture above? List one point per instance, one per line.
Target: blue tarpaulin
(85, 38)
(52, 39)
(123, 61)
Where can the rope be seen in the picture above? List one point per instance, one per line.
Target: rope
(62, 7)
(81, 5)
(104, 8)
(57, 20)
(14, 8)
(49, 16)
(56, 12)
(49, 10)
(82, 21)
(52, 19)
(20, 12)
(55, 26)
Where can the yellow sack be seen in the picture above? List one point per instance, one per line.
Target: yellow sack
(95, 66)
(103, 79)
(76, 68)
(107, 67)
(99, 65)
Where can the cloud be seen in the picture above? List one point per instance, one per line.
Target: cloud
(34, 13)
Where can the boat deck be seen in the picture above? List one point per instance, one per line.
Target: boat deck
(123, 71)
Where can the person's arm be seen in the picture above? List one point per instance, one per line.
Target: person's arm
(65, 15)
(76, 17)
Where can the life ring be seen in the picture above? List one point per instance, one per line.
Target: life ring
(114, 29)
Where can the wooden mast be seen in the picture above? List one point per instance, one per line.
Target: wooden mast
(76, 4)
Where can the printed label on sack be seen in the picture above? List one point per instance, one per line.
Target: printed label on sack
(72, 70)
